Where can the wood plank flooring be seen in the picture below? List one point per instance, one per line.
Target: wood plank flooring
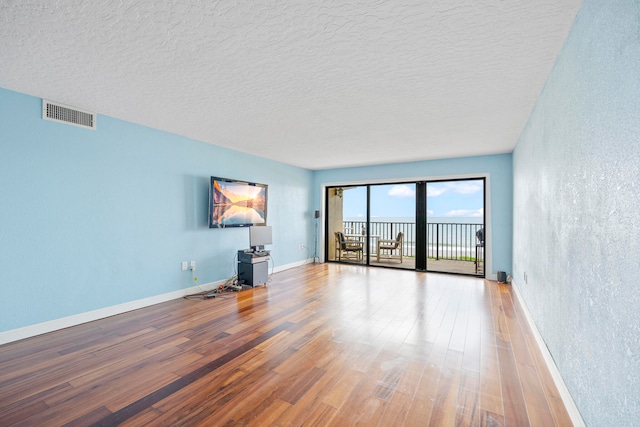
(322, 345)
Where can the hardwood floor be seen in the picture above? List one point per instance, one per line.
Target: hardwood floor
(433, 266)
(325, 344)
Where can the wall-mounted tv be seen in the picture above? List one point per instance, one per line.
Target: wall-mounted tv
(234, 203)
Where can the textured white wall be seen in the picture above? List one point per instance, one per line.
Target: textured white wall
(576, 213)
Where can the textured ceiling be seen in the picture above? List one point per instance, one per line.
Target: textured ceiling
(337, 83)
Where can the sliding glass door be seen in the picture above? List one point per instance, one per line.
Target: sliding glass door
(429, 226)
(347, 224)
(392, 225)
(455, 226)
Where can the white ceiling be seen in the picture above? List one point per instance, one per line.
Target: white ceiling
(324, 85)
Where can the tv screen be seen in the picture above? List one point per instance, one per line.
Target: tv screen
(235, 203)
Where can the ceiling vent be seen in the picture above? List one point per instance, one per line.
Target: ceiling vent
(69, 115)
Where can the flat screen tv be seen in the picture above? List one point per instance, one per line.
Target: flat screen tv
(234, 203)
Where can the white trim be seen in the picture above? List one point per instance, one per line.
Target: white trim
(410, 179)
(488, 257)
(565, 395)
(101, 313)
(89, 316)
(292, 265)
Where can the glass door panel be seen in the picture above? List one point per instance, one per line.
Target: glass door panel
(347, 224)
(455, 226)
(392, 225)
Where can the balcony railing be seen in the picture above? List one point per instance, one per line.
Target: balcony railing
(450, 241)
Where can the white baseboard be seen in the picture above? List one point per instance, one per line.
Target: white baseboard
(292, 265)
(566, 397)
(90, 316)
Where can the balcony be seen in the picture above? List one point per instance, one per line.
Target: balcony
(452, 247)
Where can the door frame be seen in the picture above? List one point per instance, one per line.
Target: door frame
(488, 258)
(484, 221)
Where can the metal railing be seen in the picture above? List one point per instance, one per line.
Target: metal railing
(451, 241)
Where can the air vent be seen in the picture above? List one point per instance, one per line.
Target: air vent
(69, 115)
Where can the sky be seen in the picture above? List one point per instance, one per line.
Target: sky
(454, 199)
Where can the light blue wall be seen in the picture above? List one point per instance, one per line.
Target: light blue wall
(91, 219)
(577, 213)
(498, 167)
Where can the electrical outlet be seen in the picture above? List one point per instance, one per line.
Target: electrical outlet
(184, 265)
(193, 265)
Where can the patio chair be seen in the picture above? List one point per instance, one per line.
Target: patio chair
(390, 246)
(344, 247)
